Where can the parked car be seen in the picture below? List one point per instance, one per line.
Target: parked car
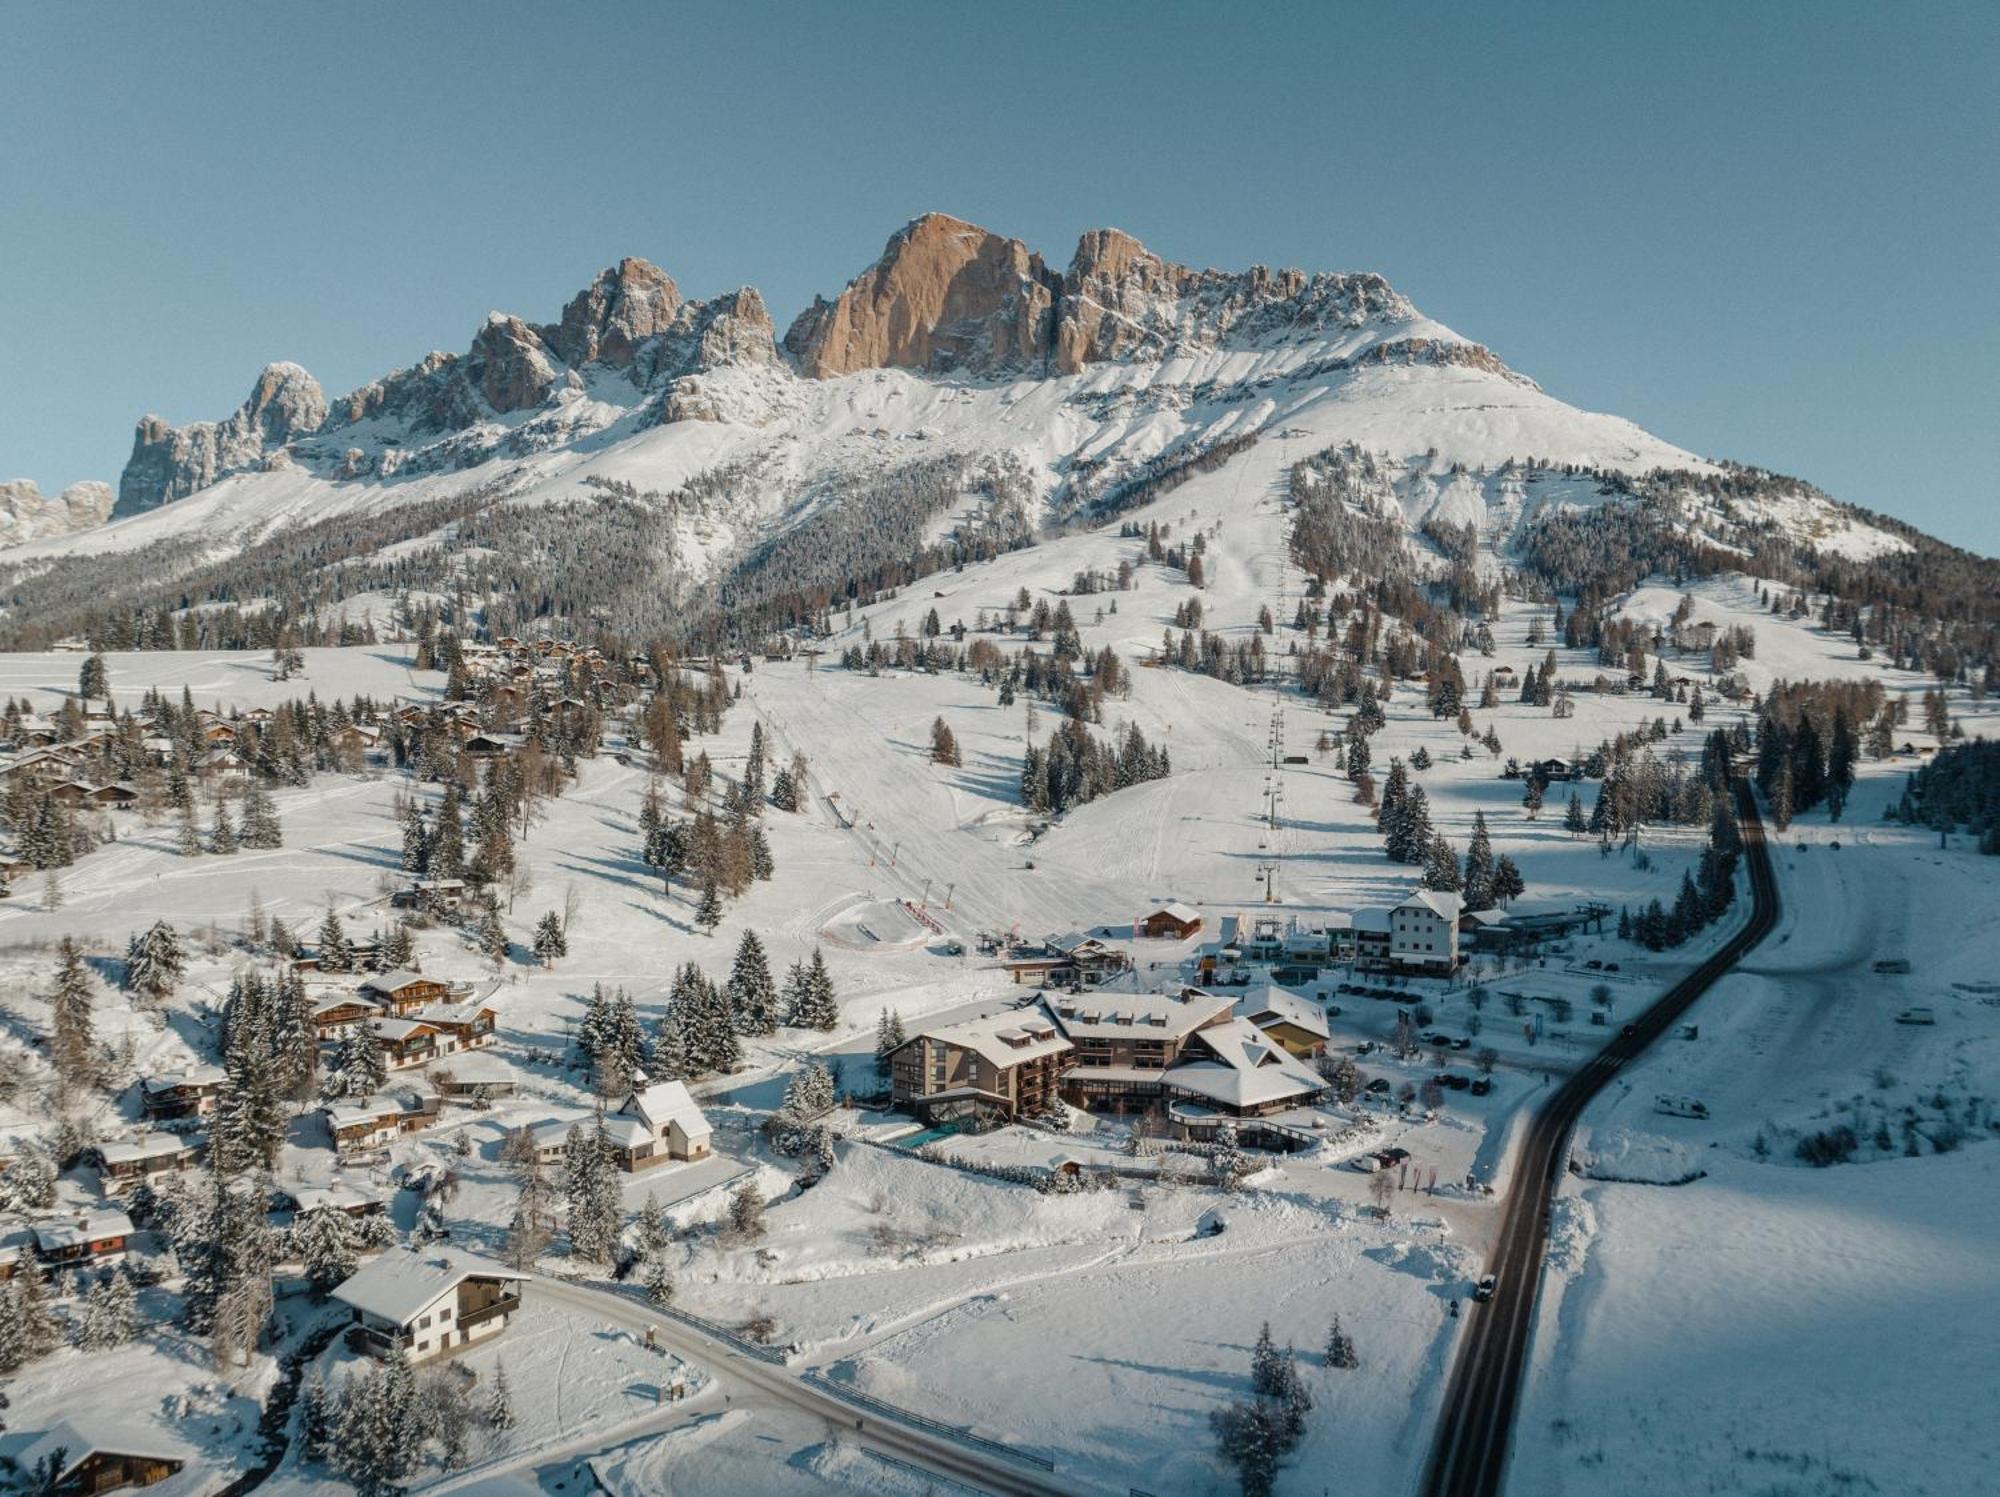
(1594, 965)
(1333, 1010)
(1481, 1085)
(1461, 1043)
(1611, 966)
(1916, 1016)
(1379, 1086)
(1368, 1164)
(1392, 1156)
(1457, 1082)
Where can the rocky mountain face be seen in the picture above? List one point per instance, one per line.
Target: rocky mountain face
(946, 298)
(630, 327)
(27, 514)
(950, 297)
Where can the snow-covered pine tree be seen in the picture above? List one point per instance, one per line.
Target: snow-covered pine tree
(708, 913)
(888, 1038)
(1479, 867)
(550, 943)
(746, 1212)
(327, 1245)
(1340, 1348)
(1228, 1164)
(336, 953)
(154, 964)
(596, 1212)
(222, 831)
(493, 942)
(317, 1416)
(72, 1036)
(399, 947)
(261, 828)
(753, 997)
(110, 1312)
(500, 1400)
(817, 1006)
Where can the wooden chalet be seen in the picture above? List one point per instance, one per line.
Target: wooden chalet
(87, 1453)
(339, 1014)
(375, 1122)
(126, 1163)
(74, 1241)
(1170, 922)
(173, 1095)
(406, 1044)
(402, 992)
(460, 1026)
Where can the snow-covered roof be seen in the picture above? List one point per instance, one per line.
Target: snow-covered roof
(1444, 903)
(198, 1075)
(1248, 1068)
(337, 1195)
(1185, 913)
(1372, 920)
(1105, 1015)
(625, 1132)
(334, 1002)
(398, 1029)
(667, 1102)
(393, 982)
(75, 1231)
(454, 1013)
(398, 1287)
(1270, 1003)
(85, 1434)
(1002, 1039)
(146, 1146)
(1487, 917)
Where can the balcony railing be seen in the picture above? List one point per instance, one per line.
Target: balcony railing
(469, 1318)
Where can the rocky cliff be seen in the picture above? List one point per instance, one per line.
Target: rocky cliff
(949, 297)
(629, 324)
(946, 296)
(27, 514)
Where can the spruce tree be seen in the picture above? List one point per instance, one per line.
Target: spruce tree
(326, 1244)
(72, 1036)
(746, 1212)
(708, 914)
(889, 1037)
(753, 997)
(1479, 866)
(155, 963)
(222, 832)
(550, 943)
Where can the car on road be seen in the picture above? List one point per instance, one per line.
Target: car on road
(1611, 966)
(1629, 1030)
(1379, 1086)
(1483, 1291)
(1916, 1016)
(1594, 965)
(1437, 1037)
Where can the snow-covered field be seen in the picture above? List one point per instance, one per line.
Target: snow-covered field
(1104, 1327)
(1771, 1327)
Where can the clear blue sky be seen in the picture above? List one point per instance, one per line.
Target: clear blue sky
(1764, 232)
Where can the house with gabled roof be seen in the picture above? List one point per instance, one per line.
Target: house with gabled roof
(88, 1452)
(125, 1163)
(1170, 922)
(428, 1302)
(402, 991)
(189, 1093)
(652, 1126)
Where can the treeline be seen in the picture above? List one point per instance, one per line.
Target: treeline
(1959, 788)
